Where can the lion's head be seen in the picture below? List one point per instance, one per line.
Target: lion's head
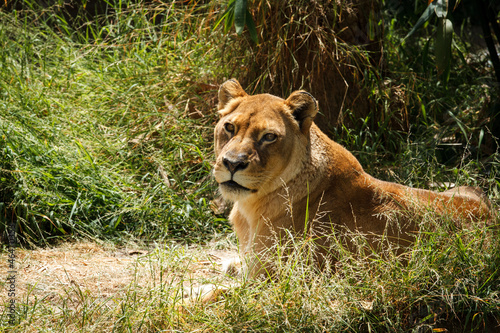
(260, 140)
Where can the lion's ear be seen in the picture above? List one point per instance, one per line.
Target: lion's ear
(229, 90)
(304, 108)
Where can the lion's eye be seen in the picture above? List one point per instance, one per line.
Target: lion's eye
(269, 137)
(229, 128)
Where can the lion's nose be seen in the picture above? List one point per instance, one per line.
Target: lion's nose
(233, 166)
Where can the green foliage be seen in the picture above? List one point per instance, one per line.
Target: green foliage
(452, 118)
(95, 137)
(444, 34)
(477, 13)
(237, 13)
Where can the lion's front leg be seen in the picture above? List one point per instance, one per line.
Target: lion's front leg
(241, 227)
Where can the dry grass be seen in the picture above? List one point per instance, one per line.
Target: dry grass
(325, 47)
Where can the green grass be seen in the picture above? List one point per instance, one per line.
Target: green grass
(94, 126)
(106, 133)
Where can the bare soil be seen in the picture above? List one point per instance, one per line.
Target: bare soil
(73, 271)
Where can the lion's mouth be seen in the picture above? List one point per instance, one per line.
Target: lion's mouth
(234, 186)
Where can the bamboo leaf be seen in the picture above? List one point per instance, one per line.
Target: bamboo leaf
(444, 37)
(240, 10)
(459, 123)
(426, 15)
(251, 27)
(441, 8)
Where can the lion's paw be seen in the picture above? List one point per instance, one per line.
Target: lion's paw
(232, 267)
(205, 293)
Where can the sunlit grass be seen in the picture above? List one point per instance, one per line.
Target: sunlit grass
(96, 135)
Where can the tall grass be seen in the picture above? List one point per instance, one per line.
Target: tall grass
(96, 132)
(322, 47)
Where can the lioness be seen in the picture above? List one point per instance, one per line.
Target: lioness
(279, 170)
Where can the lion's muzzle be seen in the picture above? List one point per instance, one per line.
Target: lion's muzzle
(233, 167)
(236, 165)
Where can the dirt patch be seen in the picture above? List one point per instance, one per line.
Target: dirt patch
(74, 271)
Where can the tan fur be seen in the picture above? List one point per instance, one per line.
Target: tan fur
(276, 160)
